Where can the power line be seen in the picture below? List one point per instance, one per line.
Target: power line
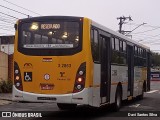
(147, 40)
(7, 29)
(146, 36)
(2, 33)
(148, 30)
(9, 15)
(135, 24)
(6, 26)
(22, 7)
(155, 50)
(152, 41)
(6, 21)
(14, 10)
(4, 18)
(135, 28)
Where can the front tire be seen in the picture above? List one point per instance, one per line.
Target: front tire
(63, 106)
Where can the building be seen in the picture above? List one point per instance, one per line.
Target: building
(6, 57)
(3, 66)
(7, 44)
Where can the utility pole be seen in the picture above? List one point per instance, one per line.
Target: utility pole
(122, 21)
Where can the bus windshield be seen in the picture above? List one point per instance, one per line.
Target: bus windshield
(49, 35)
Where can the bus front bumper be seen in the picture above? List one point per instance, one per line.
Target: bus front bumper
(74, 98)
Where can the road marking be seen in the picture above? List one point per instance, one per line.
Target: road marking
(153, 91)
(4, 102)
(135, 106)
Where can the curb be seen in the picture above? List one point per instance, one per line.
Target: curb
(5, 99)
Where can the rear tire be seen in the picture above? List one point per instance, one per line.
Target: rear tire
(118, 99)
(142, 95)
(64, 106)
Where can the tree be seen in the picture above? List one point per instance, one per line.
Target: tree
(155, 59)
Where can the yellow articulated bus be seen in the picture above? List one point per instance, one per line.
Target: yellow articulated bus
(74, 60)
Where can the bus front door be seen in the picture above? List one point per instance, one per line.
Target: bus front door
(105, 70)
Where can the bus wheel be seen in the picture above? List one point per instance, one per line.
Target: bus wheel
(64, 106)
(118, 99)
(142, 95)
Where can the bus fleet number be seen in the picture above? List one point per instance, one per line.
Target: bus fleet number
(64, 65)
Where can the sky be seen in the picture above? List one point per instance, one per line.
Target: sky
(104, 12)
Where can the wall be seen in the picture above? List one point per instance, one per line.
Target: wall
(3, 66)
(10, 67)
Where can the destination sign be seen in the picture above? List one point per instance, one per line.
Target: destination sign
(48, 46)
(50, 26)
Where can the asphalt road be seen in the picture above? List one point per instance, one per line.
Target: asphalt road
(151, 102)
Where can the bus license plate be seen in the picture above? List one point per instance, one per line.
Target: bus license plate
(47, 86)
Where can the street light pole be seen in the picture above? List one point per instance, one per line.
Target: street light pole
(136, 28)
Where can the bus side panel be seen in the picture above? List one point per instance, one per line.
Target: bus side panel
(123, 72)
(137, 78)
(140, 76)
(118, 75)
(96, 84)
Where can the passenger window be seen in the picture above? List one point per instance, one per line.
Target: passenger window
(120, 46)
(117, 44)
(113, 44)
(124, 46)
(95, 45)
(135, 50)
(95, 36)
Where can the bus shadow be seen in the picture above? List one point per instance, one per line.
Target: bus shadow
(82, 112)
(86, 112)
(134, 102)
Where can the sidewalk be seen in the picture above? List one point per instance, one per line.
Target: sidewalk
(6, 96)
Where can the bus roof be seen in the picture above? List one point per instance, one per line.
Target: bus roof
(93, 23)
(117, 34)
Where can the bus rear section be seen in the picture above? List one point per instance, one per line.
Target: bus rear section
(49, 62)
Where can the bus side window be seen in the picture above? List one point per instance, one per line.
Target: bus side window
(122, 57)
(144, 53)
(113, 44)
(138, 51)
(124, 46)
(116, 44)
(135, 50)
(121, 45)
(92, 36)
(95, 45)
